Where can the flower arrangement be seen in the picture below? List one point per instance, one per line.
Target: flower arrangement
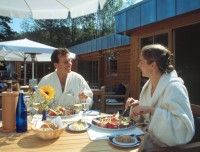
(42, 98)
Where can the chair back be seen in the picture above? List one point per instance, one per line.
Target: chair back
(195, 109)
(111, 95)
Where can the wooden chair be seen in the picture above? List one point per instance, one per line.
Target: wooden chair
(195, 109)
(113, 107)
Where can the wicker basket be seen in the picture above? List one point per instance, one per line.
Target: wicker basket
(50, 134)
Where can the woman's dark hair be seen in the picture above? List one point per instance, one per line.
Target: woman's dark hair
(58, 52)
(159, 54)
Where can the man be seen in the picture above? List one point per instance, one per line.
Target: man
(70, 87)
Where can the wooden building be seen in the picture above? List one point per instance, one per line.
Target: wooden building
(104, 61)
(174, 23)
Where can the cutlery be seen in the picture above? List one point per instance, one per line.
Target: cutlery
(126, 111)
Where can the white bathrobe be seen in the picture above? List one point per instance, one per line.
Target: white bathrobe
(74, 85)
(172, 122)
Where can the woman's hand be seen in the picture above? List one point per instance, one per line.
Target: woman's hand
(139, 110)
(130, 102)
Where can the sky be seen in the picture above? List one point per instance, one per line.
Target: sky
(16, 22)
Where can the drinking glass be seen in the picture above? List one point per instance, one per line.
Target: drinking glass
(85, 106)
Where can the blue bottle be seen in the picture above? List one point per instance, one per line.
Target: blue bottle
(21, 114)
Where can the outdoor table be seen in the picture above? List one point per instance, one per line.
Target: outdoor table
(68, 141)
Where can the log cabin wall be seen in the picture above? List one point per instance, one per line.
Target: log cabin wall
(174, 23)
(167, 26)
(123, 68)
(123, 65)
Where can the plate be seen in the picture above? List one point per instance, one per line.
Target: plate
(114, 129)
(92, 113)
(94, 123)
(71, 128)
(136, 142)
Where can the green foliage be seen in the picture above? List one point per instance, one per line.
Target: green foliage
(69, 32)
(6, 32)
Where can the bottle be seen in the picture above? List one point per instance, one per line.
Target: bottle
(21, 114)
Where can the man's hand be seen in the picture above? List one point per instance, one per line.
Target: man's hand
(82, 96)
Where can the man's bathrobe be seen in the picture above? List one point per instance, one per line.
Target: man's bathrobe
(172, 122)
(74, 85)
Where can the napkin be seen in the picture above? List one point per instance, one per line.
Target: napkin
(37, 121)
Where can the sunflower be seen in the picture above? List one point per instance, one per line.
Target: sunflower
(47, 92)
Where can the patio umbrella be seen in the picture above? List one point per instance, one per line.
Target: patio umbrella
(49, 9)
(25, 50)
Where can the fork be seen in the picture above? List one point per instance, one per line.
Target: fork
(126, 110)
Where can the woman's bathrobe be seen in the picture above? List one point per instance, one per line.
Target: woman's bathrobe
(74, 85)
(172, 121)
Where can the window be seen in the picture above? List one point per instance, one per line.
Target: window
(160, 38)
(111, 64)
(90, 71)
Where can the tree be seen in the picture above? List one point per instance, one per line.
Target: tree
(69, 32)
(6, 32)
(50, 32)
(105, 17)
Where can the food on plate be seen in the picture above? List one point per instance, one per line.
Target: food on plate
(52, 112)
(69, 111)
(61, 111)
(48, 126)
(114, 121)
(78, 125)
(125, 139)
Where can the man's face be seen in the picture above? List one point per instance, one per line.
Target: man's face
(64, 64)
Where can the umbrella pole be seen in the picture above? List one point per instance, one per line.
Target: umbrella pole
(24, 72)
(33, 70)
(33, 56)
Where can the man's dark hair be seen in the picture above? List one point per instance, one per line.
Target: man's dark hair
(58, 52)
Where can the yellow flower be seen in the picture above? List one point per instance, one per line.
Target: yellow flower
(47, 92)
(42, 98)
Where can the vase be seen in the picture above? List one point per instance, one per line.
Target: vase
(44, 115)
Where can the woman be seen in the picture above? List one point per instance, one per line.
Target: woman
(164, 101)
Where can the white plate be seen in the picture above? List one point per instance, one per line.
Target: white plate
(92, 113)
(70, 128)
(113, 129)
(123, 128)
(135, 143)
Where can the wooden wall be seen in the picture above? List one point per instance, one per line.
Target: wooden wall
(166, 26)
(123, 68)
(123, 65)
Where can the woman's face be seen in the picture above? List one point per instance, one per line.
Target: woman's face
(145, 68)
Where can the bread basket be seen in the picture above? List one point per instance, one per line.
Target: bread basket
(49, 134)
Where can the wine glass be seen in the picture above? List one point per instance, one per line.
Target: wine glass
(85, 106)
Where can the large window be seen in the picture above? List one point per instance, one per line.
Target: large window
(160, 38)
(90, 71)
(154, 39)
(111, 64)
